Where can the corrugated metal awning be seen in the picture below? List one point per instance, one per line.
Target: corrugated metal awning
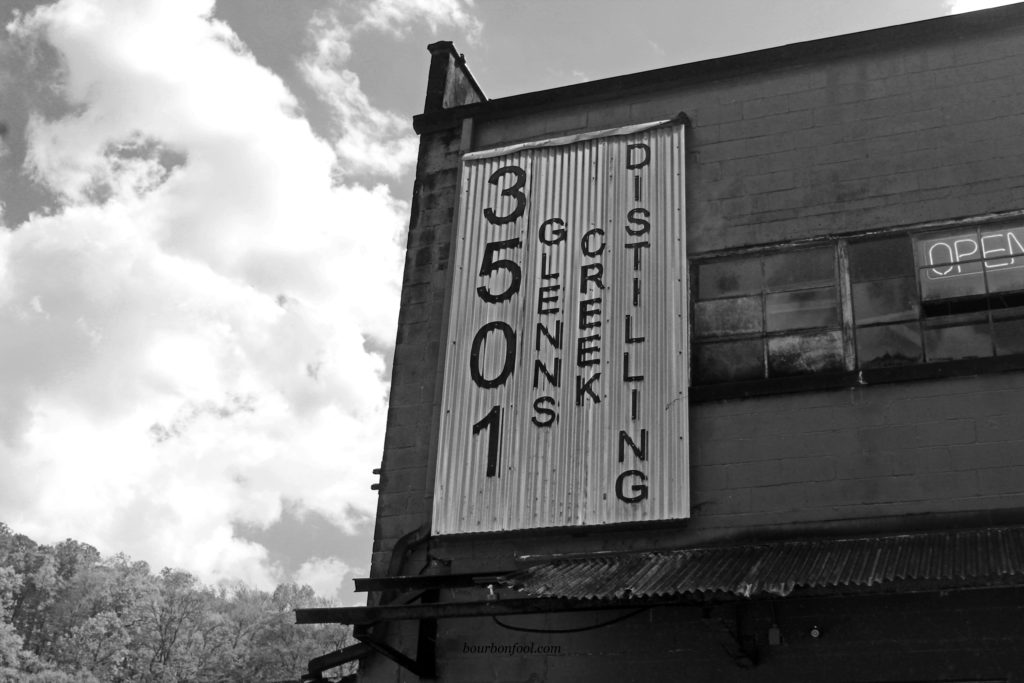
(932, 560)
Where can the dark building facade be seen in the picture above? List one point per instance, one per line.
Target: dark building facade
(829, 485)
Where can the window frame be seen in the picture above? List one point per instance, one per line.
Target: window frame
(852, 374)
(771, 330)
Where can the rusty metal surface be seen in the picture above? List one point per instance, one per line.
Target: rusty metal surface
(569, 272)
(977, 558)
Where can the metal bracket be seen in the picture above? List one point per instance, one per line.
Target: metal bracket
(318, 665)
(424, 666)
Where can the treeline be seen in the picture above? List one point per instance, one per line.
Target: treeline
(69, 615)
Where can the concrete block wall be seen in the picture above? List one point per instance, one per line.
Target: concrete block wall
(892, 128)
(857, 454)
(860, 135)
(404, 502)
(954, 637)
(889, 128)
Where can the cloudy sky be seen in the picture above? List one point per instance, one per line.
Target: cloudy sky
(202, 215)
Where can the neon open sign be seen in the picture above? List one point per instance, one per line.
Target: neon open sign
(958, 255)
(969, 263)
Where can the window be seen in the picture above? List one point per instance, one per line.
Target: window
(914, 298)
(769, 315)
(886, 306)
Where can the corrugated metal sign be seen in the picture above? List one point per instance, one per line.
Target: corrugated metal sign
(565, 388)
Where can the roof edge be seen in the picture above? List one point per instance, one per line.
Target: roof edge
(957, 26)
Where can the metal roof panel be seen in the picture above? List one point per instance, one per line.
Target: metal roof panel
(974, 557)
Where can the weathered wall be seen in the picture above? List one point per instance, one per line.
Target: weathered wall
(406, 479)
(868, 133)
(891, 128)
(867, 138)
(957, 637)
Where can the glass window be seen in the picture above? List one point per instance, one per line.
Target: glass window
(801, 309)
(882, 258)
(731, 277)
(731, 361)
(928, 297)
(804, 354)
(1008, 331)
(1009, 280)
(789, 313)
(883, 301)
(952, 281)
(889, 345)
(949, 265)
(1003, 251)
(948, 253)
(970, 262)
(724, 317)
(952, 337)
(799, 269)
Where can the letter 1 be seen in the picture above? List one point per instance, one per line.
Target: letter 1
(492, 423)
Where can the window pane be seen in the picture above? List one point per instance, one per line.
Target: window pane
(1003, 248)
(799, 269)
(801, 309)
(724, 317)
(1008, 330)
(888, 345)
(881, 258)
(803, 354)
(957, 336)
(1005, 275)
(885, 300)
(729, 361)
(934, 309)
(950, 265)
(1006, 300)
(731, 277)
(949, 248)
(952, 281)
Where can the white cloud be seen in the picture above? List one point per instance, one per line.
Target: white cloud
(959, 6)
(370, 140)
(324, 575)
(396, 15)
(185, 338)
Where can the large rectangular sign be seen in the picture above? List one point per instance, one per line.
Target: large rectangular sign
(565, 385)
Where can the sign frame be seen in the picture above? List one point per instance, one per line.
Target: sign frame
(565, 393)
